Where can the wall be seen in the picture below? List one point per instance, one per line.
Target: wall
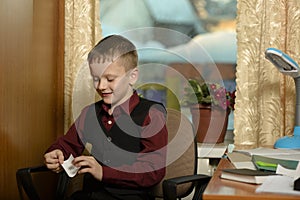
(31, 85)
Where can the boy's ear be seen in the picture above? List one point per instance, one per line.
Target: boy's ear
(134, 74)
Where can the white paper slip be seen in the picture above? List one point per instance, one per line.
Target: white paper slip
(69, 167)
(295, 174)
(278, 184)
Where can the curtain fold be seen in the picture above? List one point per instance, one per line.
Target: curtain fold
(82, 32)
(265, 98)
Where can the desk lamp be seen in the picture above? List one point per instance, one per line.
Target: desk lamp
(286, 65)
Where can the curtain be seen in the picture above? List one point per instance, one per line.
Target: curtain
(82, 32)
(265, 98)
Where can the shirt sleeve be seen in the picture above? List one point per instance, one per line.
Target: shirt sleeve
(149, 168)
(71, 143)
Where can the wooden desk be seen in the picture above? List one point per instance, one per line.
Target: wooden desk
(221, 189)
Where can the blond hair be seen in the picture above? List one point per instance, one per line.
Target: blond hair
(112, 48)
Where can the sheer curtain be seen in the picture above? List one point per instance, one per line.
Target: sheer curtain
(82, 32)
(265, 99)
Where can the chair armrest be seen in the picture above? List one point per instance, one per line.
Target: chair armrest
(25, 181)
(170, 185)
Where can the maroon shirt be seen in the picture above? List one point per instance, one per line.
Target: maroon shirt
(149, 167)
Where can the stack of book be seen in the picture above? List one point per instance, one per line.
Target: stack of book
(256, 165)
(246, 175)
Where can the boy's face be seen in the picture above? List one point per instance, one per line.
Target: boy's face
(112, 82)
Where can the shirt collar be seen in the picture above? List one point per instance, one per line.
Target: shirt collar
(126, 107)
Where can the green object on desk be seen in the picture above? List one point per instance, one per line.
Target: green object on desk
(270, 164)
(265, 164)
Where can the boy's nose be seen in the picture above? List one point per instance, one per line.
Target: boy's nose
(102, 85)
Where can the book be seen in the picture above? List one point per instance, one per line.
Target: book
(246, 175)
(263, 151)
(241, 160)
(270, 162)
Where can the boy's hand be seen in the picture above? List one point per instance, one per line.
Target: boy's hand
(54, 159)
(88, 164)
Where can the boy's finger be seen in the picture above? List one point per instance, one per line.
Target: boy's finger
(60, 156)
(52, 166)
(81, 161)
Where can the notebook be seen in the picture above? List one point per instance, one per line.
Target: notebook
(246, 175)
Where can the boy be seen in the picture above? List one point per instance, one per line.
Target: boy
(128, 134)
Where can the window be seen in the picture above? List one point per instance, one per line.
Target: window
(160, 27)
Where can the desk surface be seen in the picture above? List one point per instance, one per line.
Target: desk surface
(221, 189)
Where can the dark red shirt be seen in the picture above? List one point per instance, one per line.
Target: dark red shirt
(149, 166)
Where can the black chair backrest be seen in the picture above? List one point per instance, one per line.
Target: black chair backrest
(39, 183)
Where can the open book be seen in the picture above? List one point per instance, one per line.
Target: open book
(246, 175)
(269, 151)
(268, 159)
(271, 162)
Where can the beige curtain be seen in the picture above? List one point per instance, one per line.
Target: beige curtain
(265, 99)
(82, 32)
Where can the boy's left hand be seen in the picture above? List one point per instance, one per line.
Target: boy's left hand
(88, 164)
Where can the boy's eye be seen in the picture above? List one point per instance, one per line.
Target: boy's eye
(110, 79)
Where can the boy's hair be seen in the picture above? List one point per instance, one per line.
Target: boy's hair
(114, 47)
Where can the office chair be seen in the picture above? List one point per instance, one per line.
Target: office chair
(181, 177)
(40, 183)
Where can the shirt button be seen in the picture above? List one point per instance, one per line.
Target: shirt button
(109, 139)
(109, 122)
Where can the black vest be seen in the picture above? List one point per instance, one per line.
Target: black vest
(121, 144)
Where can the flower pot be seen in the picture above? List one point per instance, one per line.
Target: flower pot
(210, 124)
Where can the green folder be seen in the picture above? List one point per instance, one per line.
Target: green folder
(270, 164)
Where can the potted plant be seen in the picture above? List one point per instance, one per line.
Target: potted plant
(210, 105)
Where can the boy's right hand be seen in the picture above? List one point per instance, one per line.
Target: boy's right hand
(54, 159)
